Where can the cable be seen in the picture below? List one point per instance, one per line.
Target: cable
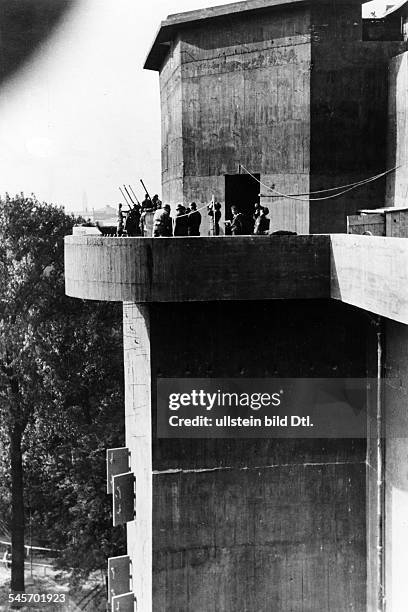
(351, 187)
(342, 186)
(293, 197)
(336, 195)
(189, 213)
(173, 219)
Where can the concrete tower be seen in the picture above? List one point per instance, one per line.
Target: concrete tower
(261, 525)
(286, 90)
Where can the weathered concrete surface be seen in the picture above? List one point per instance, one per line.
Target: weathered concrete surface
(207, 16)
(373, 223)
(374, 501)
(317, 529)
(189, 269)
(396, 475)
(371, 272)
(348, 131)
(258, 525)
(366, 271)
(238, 93)
(396, 223)
(291, 93)
(238, 524)
(391, 221)
(397, 145)
(240, 540)
(137, 362)
(171, 128)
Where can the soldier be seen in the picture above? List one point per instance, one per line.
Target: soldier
(120, 224)
(236, 225)
(156, 202)
(214, 211)
(257, 210)
(147, 204)
(132, 224)
(180, 221)
(193, 220)
(162, 222)
(262, 223)
(241, 224)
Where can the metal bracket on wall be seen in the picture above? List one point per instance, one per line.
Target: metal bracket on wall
(124, 603)
(117, 462)
(118, 576)
(123, 498)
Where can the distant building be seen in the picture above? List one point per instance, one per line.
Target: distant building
(106, 215)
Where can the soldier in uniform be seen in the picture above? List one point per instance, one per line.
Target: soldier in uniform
(214, 211)
(147, 204)
(162, 222)
(132, 225)
(157, 203)
(257, 210)
(181, 221)
(120, 225)
(241, 224)
(262, 222)
(193, 220)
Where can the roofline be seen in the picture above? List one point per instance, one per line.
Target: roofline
(387, 209)
(394, 9)
(174, 23)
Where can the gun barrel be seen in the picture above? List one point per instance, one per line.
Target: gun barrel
(144, 187)
(123, 195)
(135, 196)
(130, 197)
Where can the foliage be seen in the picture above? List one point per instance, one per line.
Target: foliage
(60, 387)
(67, 474)
(31, 294)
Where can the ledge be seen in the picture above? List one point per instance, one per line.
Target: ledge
(369, 272)
(174, 23)
(197, 269)
(170, 26)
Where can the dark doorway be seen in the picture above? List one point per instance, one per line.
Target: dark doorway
(243, 191)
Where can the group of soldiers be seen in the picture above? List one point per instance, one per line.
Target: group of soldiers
(187, 220)
(243, 224)
(132, 222)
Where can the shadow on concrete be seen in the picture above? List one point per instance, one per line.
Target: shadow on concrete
(397, 66)
(335, 291)
(24, 26)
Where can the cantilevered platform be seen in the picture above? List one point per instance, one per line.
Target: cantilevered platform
(365, 271)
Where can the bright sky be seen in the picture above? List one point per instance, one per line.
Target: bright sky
(83, 117)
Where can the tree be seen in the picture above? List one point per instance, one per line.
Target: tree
(31, 266)
(50, 352)
(66, 473)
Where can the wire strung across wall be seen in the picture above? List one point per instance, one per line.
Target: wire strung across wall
(346, 188)
(173, 219)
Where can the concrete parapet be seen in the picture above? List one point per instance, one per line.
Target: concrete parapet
(365, 271)
(197, 269)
